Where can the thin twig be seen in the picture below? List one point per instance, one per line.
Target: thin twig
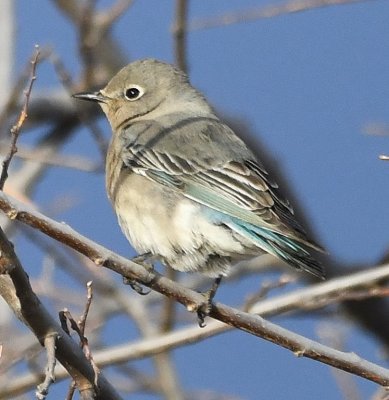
(82, 324)
(254, 14)
(266, 287)
(86, 42)
(376, 129)
(67, 83)
(84, 316)
(180, 31)
(66, 316)
(7, 45)
(141, 380)
(169, 306)
(108, 17)
(43, 388)
(13, 99)
(15, 130)
(79, 327)
(58, 160)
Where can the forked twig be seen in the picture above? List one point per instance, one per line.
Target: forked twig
(79, 328)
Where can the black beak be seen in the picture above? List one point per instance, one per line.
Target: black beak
(96, 96)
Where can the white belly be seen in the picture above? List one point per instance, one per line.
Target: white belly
(155, 219)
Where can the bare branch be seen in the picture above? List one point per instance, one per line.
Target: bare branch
(108, 17)
(43, 388)
(7, 44)
(346, 383)
(37, 318)
(254, 14)
(266, 287)
(148, 347)
(108, 54)
(79, 327)
(26, 177)
(11, 103)
(15, 130)
(180, 31)
(169, 306)
(84, 316)
(67, 83)
(71, 8)
(250, 323)
(376, 129)
(58, 160)
(87, 40)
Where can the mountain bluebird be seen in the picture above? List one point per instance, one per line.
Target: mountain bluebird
(186, 189)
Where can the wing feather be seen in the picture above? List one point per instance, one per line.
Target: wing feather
(237, 187)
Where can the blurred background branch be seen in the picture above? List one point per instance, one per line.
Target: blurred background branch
(58, 159)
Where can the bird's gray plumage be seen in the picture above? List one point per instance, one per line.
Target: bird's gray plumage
(184, 185)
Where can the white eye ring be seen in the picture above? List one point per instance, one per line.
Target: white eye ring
(133, 92)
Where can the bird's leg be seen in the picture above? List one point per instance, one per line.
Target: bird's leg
(146, 260)
(206, 307)
(136, 286)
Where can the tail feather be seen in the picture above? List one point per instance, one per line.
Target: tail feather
(282, 246)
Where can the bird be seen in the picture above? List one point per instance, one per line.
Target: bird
(185, 187)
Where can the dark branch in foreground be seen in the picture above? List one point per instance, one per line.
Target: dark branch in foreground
(36, 317)
(250, 323)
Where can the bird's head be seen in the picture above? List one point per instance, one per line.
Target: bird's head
(141, 89)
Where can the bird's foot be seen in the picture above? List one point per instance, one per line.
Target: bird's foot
(206, 307)
(136, 286)
(146, 260)
(203, 311)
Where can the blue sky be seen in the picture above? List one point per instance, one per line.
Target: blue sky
(307, 84)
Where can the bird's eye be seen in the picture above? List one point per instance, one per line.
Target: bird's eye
(133, 93)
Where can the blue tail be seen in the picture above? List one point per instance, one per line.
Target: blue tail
(281, 246)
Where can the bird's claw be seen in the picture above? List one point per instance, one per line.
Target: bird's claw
(136, 286)
(146, 260)
(206, 307)
(204, 310)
